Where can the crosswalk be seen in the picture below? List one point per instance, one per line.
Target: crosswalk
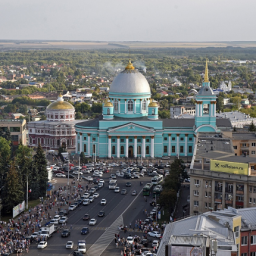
(106, 238)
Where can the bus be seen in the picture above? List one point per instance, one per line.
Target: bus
(112, 184)
(147, 190)
(157, 179)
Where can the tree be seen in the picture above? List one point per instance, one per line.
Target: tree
(79, 115)
(40, 164)
(83, 159)
(163, 114)
(96, 107)
(12, 191)
(33, 182)
(167, 199)
(252, 127)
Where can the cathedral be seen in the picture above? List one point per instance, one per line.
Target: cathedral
(130, 126)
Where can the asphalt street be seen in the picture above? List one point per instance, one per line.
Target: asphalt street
(127, 206)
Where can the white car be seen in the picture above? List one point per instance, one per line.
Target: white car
(89, 178)
(77, 172)
(130, 240)
(103, 202)
(35, 235)
(86, 201)
(92, 222)
(155, 243)
(154, 234)
(101, 180)
(100, 184)
(53, 221)
(63, 219)
(69, 245)
(96, 195)
(117, 190)
(117, 173)
(86, 195)
(60, 175)
(72, 207)
(42, 245)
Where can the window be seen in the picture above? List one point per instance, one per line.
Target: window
(78, 146)
(253, 253)
(30, 140)
(130, 140)
(210, 205)
(153, 111)
(254, 189)
(243, 144)
(14, 129)
(236, 230)
(58, 142)
(197, 182)
(122, 140)
(189, 149)
(93, 139)
(61, 116)
(244, 254)
(196, 203)
(253, 239)
(51, 116)
(108, 111)
(235, 147)
(147, 149)
(94, 149)
(244, 240)
(122, 150)
(130, 105)
(181, 138)
(173, 138)
(181, 149)
(253, 152)
(254, 200)
(250, 188)
(113, 150)
(147, 140)
(206, 205)
(84, 138)
(139, 140)
(250, 200)
(209, 194)
(196, 193)
(139, 149)
(113, 140)
(14, 138)
(115, 105)
(253, 144)
(165, 138)
(190, 139)
(84, 147)
(206, 195)
(165, 149)
(173, 149)
(144, 105)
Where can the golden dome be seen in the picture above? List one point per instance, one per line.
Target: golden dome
(152, 104)
(129, 66)
(108, 103)
(60, 104)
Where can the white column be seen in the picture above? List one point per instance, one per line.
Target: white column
(169, 147)
(81, 149)
(152, 147)
(126, 147)
(214, 109)
(143, 147)
(147, 106)
(134, 107)
(119, 103)
(194, 140)
(89, 144)
(197, 109)
(135, 146)
(125, 107)
(109, 146)
(141, 106)
(118, 147)
(178, 145)
(186, 144)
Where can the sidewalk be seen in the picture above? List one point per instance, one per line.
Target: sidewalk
(183, 206)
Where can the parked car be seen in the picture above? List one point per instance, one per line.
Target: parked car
(42, 244)
(154, 234)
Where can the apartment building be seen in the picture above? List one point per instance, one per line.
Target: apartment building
(17, 128)
(244, 143)
(218, 178)
(179, 110)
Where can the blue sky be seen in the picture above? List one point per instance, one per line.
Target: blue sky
(133, 20)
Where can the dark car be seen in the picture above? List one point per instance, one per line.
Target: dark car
(77, 253)
(128, 184)
(63, 212)
(79, 201)
(101, 214)
(123, 191)
(95, 181)
(71, 176)
(65, 233)
(86, 216)
(84, 231)
(96, 187)
(144, 242)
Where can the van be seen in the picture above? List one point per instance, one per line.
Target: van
(81, 246)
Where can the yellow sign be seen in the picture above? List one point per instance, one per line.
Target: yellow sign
(229, 167)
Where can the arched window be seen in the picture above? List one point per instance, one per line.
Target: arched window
(42, 141)
(139, 149)
(38, 141)
(116, 105)
(144, 105)
(122, 150)
(58, 142)
(130, 105)
(113, 150)
(153, 111)
(68, 142)
(30, 140)
(108, 111)
(147, 149)
(84, 147)
(94, 148)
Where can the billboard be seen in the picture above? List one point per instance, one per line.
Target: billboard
(186, 251)
(18, 209)
(229, 167)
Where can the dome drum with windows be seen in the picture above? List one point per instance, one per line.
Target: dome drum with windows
(129, 94)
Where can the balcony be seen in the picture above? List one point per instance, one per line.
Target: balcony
(218, 201)
(238, 203)
(229, 202)
(218, 189)
(239, 192)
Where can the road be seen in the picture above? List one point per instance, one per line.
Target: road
(119, 209)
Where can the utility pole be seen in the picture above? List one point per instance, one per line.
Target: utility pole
(68, 170)
(78, 167)
(27, 193)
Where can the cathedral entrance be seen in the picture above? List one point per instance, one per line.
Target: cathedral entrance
(130, 151)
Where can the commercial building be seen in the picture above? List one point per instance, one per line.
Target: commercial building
(219, 179)
(17, 128)
(130, 127)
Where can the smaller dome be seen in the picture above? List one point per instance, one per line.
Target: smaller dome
(60, 104)
(152, 103)
(108, 103)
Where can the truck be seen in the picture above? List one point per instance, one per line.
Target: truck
(47, 231)
(81, 246)
(112, 184)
